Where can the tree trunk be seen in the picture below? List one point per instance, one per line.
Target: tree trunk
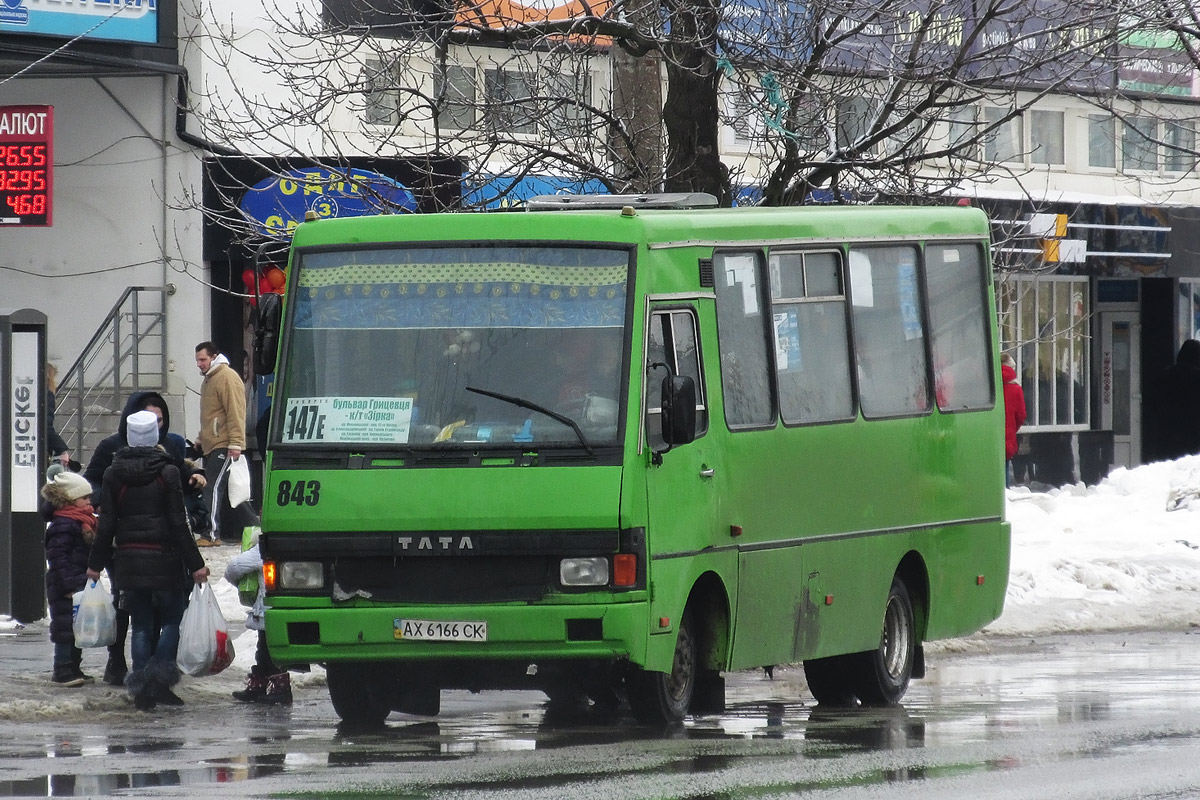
(691, 114)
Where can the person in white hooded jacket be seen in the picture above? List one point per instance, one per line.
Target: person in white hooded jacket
(266, 683)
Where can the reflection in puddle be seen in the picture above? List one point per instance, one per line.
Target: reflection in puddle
(92, 785)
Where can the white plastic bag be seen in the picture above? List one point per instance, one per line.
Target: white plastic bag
(204, 644)
(238, 487)
(95, 619)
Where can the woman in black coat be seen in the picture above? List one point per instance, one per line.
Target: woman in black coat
(144, 536)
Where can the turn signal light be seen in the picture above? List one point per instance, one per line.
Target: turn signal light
(269, 575)
(624, 569)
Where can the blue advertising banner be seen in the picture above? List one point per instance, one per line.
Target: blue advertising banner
(278, 204)
(497, 191)
(114, 20)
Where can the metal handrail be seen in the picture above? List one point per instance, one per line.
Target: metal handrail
(120, 351)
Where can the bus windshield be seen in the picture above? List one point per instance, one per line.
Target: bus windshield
(458, 345)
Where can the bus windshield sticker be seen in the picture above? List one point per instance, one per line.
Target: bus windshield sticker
(361, 420)
(787, 341)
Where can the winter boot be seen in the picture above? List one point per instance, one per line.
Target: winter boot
(141, 689)
(279, 690)
(77, 664)
(67, 675)
(164, 675)
(116, 669)
(256, 687)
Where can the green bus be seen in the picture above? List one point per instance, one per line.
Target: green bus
(616, 446)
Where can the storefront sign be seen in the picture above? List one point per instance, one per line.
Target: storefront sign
(114, 20)
(277, 205)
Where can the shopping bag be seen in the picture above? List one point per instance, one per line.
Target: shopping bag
(204, 644)
(238, 485)
(95, 619)
(248, 585)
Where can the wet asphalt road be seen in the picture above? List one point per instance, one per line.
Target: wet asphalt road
(1087, 716)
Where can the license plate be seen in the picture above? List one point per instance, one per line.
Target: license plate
(432, 630)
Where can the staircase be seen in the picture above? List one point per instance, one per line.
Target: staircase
(126, 354)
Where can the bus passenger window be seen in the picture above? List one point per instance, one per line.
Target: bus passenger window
(673, 341)
(812, 356)
(742, 339)
(889, 336)
(956, 285)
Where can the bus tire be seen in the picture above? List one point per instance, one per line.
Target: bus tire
(658, 698)
(884, 673)
(829, 681)
(358, 693)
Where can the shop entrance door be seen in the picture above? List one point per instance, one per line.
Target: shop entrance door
(1120, 382)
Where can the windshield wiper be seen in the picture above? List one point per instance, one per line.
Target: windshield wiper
(522, 403)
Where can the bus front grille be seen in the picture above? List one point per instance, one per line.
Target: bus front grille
(446, 579)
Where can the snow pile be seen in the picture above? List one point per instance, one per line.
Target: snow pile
(1120, 555)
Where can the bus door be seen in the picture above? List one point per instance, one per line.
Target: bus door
(684, 485)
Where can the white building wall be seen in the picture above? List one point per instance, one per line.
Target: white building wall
(124, 194)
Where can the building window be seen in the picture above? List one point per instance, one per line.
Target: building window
(744, 117)
(456, 92)
(962, 130)
(381, 100)
(1046, 137)
(1102, 141)
(1181, 144)
(1003, 142)
(1044, 326)
(853, 121)
(568, 97)
(1139, 151)
(507, 97)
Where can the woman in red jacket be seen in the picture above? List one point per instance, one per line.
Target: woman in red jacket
(1014, 413)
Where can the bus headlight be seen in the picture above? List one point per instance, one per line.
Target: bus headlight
(583, 571)
(301, 575)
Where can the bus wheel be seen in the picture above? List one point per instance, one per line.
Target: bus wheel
(829, 681)
(358, 693)
(660, 697)
(883, 674)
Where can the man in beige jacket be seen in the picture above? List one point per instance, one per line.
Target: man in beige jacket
(222, 438)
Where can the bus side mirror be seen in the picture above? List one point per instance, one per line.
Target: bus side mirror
(678, 410)
(266, 333)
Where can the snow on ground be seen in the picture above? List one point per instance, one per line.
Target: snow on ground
(1120, 555)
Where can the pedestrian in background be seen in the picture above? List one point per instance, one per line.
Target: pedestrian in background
(175, 447)
(1174, 407)
(1014, 413)
(222, 438)
(69, 535)
(143, 536)
(58, 447)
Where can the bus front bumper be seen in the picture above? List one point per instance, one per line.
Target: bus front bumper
(376, 632)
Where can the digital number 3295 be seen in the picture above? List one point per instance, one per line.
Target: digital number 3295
(301, 493)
